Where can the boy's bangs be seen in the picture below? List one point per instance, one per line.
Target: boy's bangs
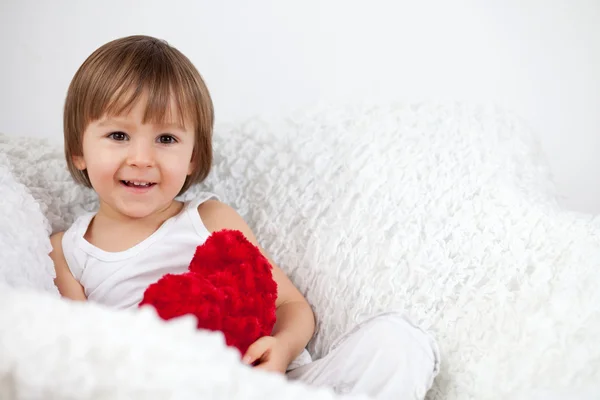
(166, 102)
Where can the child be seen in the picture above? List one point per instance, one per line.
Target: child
(138, 124)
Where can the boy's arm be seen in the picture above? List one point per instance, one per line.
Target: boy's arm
(295, 320)
(65, 282)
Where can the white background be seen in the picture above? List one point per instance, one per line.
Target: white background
(538, 58)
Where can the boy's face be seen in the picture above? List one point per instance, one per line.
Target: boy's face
(137, 169)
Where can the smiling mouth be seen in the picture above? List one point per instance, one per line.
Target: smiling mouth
(140, 185)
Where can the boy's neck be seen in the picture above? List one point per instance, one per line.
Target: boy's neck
(112, 231)
(109, 215)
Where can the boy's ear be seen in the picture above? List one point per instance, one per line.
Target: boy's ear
(79, 162)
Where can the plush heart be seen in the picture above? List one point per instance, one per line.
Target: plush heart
(229, 287)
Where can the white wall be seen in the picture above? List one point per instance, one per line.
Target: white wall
(540, 58)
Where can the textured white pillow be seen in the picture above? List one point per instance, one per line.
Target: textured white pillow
(24, 243)
(445, 212)
(39, 164)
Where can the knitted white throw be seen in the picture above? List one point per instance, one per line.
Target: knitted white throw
(445, 212)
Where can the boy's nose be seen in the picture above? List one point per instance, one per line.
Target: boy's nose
(141, 155)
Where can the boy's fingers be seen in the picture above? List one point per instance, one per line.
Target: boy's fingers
(256, 350)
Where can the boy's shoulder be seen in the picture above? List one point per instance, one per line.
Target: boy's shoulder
(56, 242)
(216, 215)
(57, 255)
(212, 206)
(67, 285)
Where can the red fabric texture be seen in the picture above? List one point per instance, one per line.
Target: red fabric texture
(229, 288)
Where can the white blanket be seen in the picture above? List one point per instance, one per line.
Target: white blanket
(443, 212)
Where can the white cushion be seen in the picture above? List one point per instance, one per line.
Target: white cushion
(24, 242)
(54, 349)
(444, 212)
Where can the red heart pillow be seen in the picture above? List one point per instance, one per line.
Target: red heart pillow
(229, 287)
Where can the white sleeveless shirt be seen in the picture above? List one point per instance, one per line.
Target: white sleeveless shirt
(119, 279)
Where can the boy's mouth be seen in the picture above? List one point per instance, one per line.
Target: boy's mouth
(138, 184)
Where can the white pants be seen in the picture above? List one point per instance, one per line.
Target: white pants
(385, 357)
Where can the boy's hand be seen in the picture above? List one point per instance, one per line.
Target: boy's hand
(269, 354)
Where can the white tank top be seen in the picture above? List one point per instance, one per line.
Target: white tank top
(119, 279)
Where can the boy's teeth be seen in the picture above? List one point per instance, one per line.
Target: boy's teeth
(138, 183)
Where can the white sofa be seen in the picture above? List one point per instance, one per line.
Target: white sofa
(445, 212)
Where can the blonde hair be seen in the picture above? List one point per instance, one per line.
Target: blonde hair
(114, 76)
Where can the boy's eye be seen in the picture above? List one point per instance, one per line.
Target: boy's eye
(166, 139)
(118, 136)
